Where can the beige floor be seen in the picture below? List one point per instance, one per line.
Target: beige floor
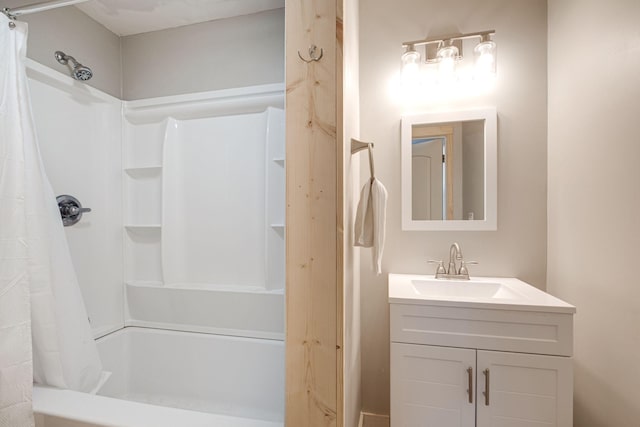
(371, 420)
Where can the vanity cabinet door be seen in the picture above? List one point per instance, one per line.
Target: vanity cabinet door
(430, 386)
(524, 390)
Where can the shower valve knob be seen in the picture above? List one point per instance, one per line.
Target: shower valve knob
(73, 210)
(70, 209)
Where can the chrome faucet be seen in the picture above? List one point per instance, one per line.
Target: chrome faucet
(453, 271)
(454, 254)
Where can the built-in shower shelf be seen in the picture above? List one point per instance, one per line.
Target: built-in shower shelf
(145, 283)
(142, 169)
(143, 226)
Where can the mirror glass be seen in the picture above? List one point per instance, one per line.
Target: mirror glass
(449, 162)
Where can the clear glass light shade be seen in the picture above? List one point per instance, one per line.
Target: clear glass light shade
(485, 53)
(410, 64)
(447, 57)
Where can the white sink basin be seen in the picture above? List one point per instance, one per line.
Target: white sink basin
(463, 289)
(481, 292)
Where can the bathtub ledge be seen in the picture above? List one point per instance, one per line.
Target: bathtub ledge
(105, 411)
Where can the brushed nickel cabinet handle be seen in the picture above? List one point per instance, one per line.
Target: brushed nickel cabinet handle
(470, 391)
(486, 387)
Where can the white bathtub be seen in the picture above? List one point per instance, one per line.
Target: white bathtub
(166, 378)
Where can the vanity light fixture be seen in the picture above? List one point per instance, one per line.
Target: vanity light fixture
(446, 57)
(485, 53)
(410, 64)
(447, 51)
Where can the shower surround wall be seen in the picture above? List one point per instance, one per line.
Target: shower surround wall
(87, 155)
(98, 183)
(204, 212)
(222, 178)
(82, 157)
(122, 176)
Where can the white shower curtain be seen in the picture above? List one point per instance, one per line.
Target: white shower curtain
(44, 331)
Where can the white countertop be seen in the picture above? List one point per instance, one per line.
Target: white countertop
(511, 293)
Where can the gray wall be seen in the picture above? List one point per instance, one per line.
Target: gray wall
(243, 51)
(351, 169)
(594, 199)
(518, 248)
(71, 31)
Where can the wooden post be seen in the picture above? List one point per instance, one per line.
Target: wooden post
(313, 217)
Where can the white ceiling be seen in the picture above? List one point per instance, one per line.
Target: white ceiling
(127, 17)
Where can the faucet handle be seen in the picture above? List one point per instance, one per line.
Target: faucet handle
(463, 267)
(440, 269)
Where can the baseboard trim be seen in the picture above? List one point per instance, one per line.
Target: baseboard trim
(368, 419)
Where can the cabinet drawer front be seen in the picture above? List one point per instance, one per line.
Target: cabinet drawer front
(505, 330)
(525, 390)
(429, 386)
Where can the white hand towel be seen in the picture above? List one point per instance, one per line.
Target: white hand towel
(370, 221)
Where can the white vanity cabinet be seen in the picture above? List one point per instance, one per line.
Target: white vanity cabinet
(429, 386)
(480, 362)
(456, 387)
(524, 390)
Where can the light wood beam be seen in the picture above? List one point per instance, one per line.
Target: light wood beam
(313, 218)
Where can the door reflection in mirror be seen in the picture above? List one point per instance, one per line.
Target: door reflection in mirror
(447, 165)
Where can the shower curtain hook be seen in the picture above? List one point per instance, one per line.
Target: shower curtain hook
(11, 17)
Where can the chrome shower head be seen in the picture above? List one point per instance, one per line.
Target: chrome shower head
(79, 71)
(82, 72)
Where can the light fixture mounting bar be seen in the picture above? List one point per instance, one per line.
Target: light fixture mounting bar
(442, 39)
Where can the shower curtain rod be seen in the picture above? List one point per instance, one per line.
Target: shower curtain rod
(38, 7)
